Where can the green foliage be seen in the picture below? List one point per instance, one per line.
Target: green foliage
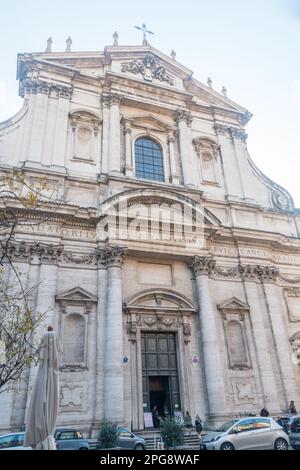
(172, 432)
(108, 434)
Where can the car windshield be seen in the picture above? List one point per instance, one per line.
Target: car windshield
(227, 425)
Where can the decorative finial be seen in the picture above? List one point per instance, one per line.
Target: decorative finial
(224, 91)
(173, 54)
(144, 29)
(209, 82)
(116, 37)
(68, 42)
(49, 45)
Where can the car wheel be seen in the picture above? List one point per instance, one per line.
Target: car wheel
(281, 444)
(83, 448)
(227, 446)
(139, 447)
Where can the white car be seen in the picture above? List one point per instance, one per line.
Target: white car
(247, 433)
(13, 441)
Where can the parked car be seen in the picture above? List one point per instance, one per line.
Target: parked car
(294, 431)
(70, 439)
(128, 440)
(13, 441)
(247, 433)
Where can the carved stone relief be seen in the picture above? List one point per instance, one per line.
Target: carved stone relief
(150, 68)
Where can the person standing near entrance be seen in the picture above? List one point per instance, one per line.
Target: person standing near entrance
(199, 426)
(155, 417)
(292, 408)
(188, 421)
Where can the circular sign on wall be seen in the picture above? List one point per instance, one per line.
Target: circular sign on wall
(195, 359)
(125, 359)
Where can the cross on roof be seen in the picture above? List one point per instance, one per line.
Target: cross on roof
(144, 29)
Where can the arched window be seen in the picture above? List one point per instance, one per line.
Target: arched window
(74, 339)
(148, 160)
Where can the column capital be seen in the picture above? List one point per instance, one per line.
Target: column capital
(111, 256)
(236, 133)
(109, 99)
(203, 265)
(185, 116)
(265, 273)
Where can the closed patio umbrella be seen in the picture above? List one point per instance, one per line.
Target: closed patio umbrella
(43, 407)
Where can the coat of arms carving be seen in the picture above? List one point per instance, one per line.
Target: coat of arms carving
(149, 68)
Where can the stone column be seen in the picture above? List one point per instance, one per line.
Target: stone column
(276, 309)
(114, 162)
(113, 369)
(173, 169)
(184, 120)
(269, 397)
(128, 152)
(210, 337)
(61, 127)
(99, 406)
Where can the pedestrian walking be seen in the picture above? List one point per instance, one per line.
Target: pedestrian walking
(199, 426)
(292, 408)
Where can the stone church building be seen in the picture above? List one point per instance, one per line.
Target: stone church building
(170, 267)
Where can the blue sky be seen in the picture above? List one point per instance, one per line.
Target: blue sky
(251, 47)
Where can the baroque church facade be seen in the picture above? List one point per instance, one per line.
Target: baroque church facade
(209, 322)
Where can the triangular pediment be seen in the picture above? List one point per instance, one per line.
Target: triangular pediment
(143, 63)
(149, 122)
(233, 304)
(76, 294)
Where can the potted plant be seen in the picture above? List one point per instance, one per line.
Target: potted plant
(172, 432)
(108, 434)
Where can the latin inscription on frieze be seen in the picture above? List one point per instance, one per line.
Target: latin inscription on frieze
(61, 231)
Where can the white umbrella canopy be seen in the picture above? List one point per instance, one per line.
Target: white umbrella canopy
(43, 407)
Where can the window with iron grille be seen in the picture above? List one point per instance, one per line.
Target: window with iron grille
(149, 163)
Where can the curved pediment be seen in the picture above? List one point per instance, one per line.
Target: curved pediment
(148, 196)
(159, 299)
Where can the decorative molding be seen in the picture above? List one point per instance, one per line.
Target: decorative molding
(69, 257)
(203, 265)
(185, 116)
(227, 272)
(150, 68)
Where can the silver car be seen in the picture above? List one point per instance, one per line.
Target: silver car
(294, 431)
(13, 441)
(127, 440)
(70, 439)
(247, 433)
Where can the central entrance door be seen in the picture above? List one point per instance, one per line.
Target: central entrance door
(160, 373)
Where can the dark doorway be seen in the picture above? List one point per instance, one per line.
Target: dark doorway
(159, 395)
(160, 373)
